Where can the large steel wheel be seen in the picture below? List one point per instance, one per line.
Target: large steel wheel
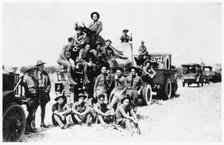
(14, 123)
(147, 94)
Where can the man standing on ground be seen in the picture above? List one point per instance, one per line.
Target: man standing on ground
(44, 88)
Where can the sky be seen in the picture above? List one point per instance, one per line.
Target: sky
(188, 31)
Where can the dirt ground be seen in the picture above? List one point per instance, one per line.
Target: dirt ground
(193, 115)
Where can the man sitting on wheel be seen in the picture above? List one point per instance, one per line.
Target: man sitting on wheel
(119, 89)
(134, 85)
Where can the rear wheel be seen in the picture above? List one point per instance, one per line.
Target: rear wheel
(167, 89)
(147, 94)
(14, 123)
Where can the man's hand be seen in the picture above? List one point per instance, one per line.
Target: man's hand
(115, 77)
(139, 92)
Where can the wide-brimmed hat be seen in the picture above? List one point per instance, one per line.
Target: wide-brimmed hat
(98, 42)
(98, 15)
(106, 64)
(29, 68)
(81, 95)
(108, 40)
(142, 42)
(102, 96)
(132, 67)
(60, 96)
(119, 68)
(126, 97)
(40, 62)
(125, 30)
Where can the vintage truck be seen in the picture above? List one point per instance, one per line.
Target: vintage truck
(13, 117)
(192, 74)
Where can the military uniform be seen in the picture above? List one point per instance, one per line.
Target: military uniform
(82, 108)
(102, 84)
(30, 86)
(118, 89)
(58, 119)
(133, 84)
(105, 108)
(125, 38)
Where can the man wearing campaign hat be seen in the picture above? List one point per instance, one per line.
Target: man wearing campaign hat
(80, 38)
(119, 87)
(81, 111)
(30, 85)
(148, 72)
(125, 115)
(125, 38)
(134, 85)
(44, 88)
(61, 112)
(142, 49)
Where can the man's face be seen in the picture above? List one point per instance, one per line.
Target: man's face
(95, 17)
(87, 47)
(133, 72)
(118, 73)
(103, 70)
(125, 32)
(60, 100)
(71, 42)
(108, 43)
(78, 31)
(98, 46)
(101, 100)
(126, 102)
(40, 67)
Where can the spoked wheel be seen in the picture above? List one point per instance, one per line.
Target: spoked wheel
(147, 94)
(14, 123)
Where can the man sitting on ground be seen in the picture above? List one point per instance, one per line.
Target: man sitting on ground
(61, 112)
(126, 116)
(104, 112)
(82, 113)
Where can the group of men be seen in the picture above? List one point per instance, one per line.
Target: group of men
(37, 87)
(116, 96)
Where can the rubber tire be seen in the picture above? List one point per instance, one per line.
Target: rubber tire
(167, 63)
(167, 90)
(147, 95)
(13, 112)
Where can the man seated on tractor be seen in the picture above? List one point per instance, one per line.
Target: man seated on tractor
(125, 38)
(80, 39)
(119, 88)
(30, 85)
(81, 111)
(104, 112)
(85, 60)
(107, 50)
(148, 72)
(142, 49)
(64, 60)
(134, 85)
(95, 27)
(126, 117)
(103, 83)
(61, 112)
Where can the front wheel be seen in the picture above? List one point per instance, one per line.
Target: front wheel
(14, 123)
(147, 94)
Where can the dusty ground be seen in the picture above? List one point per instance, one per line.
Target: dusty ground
(193, 115)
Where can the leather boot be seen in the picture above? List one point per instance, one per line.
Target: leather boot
(71, 81)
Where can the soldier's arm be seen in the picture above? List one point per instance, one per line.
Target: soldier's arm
(125, 114)
(67, 111)
(74, 110)
(55, 111)
(100, 28)
(98, 111)
(95, 85)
